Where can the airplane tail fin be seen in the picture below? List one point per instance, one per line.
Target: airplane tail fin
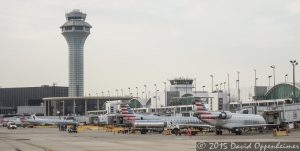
(200, 109)
(34, 117)
(127, 112)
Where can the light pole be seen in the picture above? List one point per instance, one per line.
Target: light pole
(203, 88)
(255, 82)
(228, 90)
(285, 77)
(165, 83)
(142, 94)
(195, 87)
(102, 93)
(108, 93)
(146, 92)
(269, 80)
(155, 98)
(212, 83)
(137, 92)
(238, 86)
(294, 63)
(54, 84)
(255, 78)
(122, 92)
(217, 87)
(129, 91)
(273, 67)
(117, 92)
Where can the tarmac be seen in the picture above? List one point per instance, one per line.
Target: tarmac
(50, 139)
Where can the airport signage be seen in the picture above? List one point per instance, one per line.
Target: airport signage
(248, 146)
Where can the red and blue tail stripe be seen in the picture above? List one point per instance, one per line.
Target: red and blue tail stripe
(202, 111)
(127, 113)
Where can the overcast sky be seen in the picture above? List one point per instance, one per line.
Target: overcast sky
(137, 42)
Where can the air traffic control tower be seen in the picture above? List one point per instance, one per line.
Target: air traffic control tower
(75, 31)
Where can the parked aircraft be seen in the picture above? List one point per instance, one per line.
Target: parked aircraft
(227, 120)
(172, 122)
(39, 121)
(18, 120)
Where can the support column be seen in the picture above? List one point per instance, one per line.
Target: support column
(98, 105)
(48, 103)
(45, 105)
(85, 107)
(74, 107)
(54, 108)
(63, 110)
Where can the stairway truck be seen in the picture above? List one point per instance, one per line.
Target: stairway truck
(149, 125)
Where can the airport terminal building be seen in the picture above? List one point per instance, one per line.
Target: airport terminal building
(10, 98)
(78, 105)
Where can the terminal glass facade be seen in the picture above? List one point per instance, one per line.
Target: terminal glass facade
(282, 91)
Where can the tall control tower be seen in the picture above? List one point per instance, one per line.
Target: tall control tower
(75, 31)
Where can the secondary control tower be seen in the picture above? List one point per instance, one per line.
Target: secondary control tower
(75, 31)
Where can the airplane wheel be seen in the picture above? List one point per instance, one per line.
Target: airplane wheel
(175, 131)
(143, 131)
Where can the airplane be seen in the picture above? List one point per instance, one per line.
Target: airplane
(20, 121)
(38, 121)
(234, 122)
(173, 122)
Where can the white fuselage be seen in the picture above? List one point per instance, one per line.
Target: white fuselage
(174, 119)
(48, 121)
(235, 121)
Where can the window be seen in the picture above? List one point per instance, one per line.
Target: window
(68, 28)
(78, 28)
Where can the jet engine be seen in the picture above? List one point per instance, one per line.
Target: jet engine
(225, 115)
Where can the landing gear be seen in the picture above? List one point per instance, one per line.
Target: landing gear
(219, 132)
(238, 131)
(176, 131)
(144, 131)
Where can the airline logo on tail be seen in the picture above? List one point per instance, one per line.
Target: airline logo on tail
(127, 113)
(33, 116)
(201, 111)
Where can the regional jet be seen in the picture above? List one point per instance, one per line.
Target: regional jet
(38, 121)
(173, 122)
(234, 122)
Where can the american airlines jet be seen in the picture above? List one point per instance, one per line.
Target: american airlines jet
(173, 122)
(18, 120)
(38, 121)
(227, 120)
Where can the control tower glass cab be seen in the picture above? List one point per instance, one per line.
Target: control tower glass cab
(76, 30)
(183, 85)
